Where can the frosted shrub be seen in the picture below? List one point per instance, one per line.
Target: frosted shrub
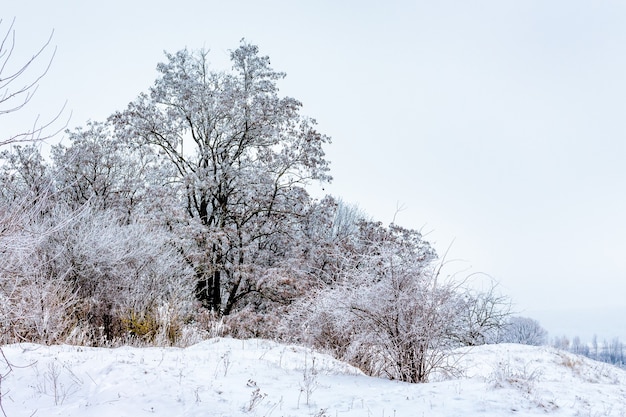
(81, 281)
(391, 314)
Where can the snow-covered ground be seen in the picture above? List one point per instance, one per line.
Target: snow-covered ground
(227, 377)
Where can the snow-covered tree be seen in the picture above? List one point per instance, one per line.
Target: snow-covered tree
(98, 168)
(388, 313)
(525, 331)
(485, 315)
(241, 156)
(25, 178)
(385, 308)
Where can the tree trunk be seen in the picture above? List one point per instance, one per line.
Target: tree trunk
(203, 289)
(216, 293)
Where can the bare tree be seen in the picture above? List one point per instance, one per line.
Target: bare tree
(485, 316)
(579, 347)
(18, 85)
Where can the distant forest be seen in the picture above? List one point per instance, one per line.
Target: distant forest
(606, 351)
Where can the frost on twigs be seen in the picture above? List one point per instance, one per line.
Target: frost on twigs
(309, 378)
(388, 311)
(240, 156)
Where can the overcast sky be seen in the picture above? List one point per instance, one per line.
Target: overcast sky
(498, 126)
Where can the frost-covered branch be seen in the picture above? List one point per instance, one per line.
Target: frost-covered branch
(18, 86)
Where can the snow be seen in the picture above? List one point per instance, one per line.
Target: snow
(229, 377)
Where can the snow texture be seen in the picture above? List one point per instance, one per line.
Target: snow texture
(229, 377)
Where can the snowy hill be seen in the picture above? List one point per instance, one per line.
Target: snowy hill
(227, 377)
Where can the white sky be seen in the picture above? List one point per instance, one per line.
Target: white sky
(497, 125)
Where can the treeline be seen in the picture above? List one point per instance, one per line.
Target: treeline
(186, 215)
(612, 352)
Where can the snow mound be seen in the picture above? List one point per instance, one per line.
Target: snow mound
(228, 377)
(547, 378)
(287, 357)
(539, 364)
